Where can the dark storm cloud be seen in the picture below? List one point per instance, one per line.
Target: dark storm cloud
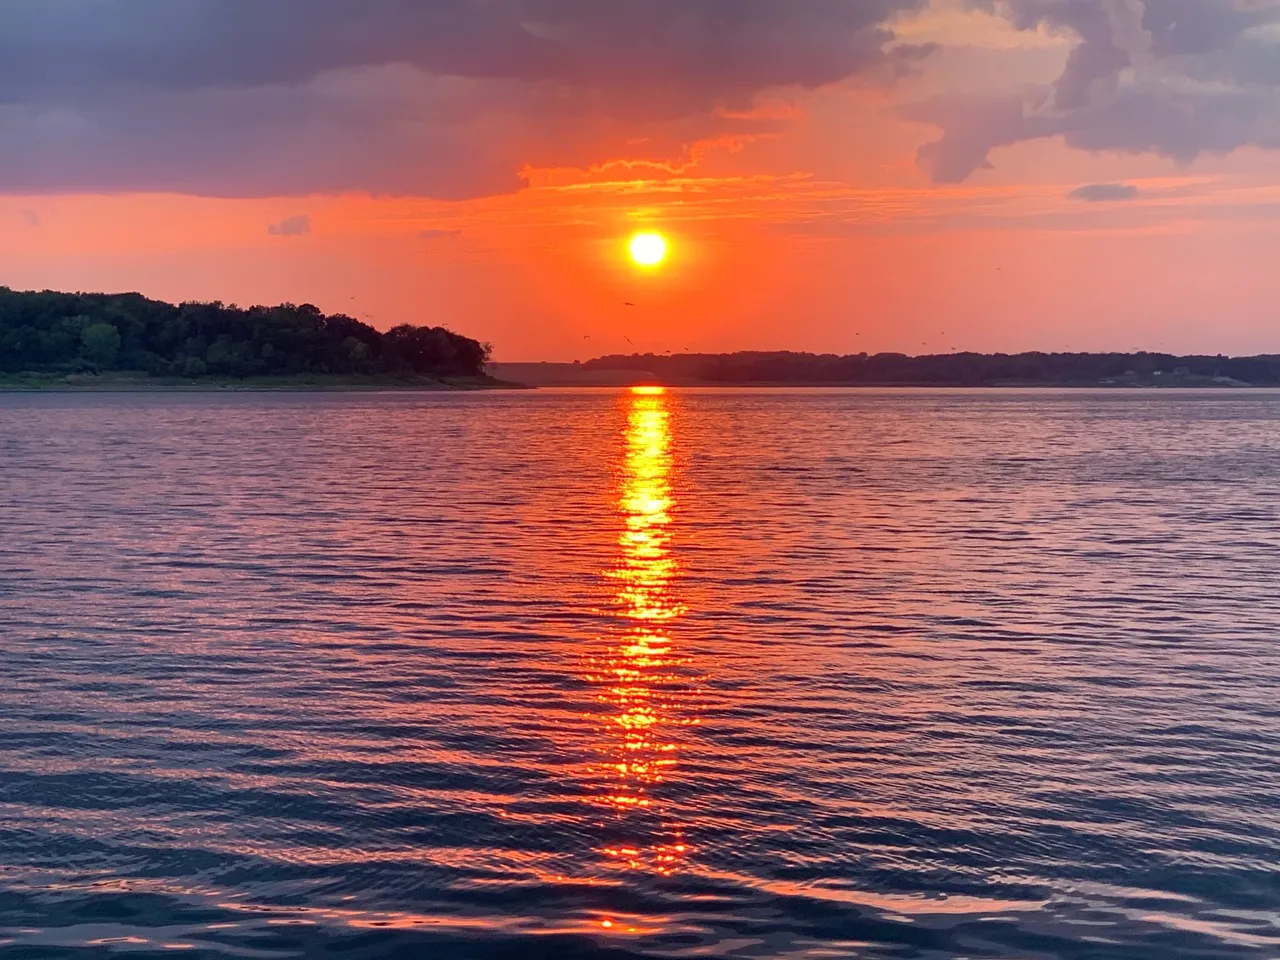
(431, 96)
(1104, 192)
(1177, 78)
(705, 47)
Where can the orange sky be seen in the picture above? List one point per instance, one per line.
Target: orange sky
(813, 228)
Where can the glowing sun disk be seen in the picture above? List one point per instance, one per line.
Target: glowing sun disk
(648, 249)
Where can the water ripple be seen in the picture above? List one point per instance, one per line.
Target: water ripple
(603, 675)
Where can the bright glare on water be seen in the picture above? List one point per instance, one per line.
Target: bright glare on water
(734, 673)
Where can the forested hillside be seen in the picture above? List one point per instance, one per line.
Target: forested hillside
(51, 332)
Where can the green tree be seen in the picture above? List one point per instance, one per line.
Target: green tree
(357, 354)
(54, 332)
(222, 357)
(100, 344)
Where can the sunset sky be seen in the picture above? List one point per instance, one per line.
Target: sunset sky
(831, 175)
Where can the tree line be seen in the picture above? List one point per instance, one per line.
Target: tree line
(50, 332)
(949, 369)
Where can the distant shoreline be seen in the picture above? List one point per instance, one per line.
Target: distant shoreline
(843, 385)
(958, 370)
(922, 385)
(141, 383)
(319, 383)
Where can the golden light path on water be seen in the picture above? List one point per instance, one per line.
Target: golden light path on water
(641, 678)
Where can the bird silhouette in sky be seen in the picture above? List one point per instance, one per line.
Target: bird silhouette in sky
(628, 339)
(628, 304)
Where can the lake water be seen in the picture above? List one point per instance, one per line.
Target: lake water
(730, 673)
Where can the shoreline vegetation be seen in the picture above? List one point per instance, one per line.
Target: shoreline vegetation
(122, 342)
(784, 368)
(98, 341)
(140, 382)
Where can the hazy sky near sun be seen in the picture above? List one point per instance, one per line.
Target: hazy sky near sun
(832, 175)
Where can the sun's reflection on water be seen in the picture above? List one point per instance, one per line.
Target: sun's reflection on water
(643, 681)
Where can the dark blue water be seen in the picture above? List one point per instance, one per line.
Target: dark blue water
(601, 674)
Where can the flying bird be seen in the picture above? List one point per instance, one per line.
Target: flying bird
(628, 304)
(628, 339)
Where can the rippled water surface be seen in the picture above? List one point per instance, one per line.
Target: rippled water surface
(614, 674)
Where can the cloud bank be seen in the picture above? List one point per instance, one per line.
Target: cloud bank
(1177, 78)
(448, 98)
(455, 98)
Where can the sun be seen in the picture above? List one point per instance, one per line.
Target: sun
(648, 249)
